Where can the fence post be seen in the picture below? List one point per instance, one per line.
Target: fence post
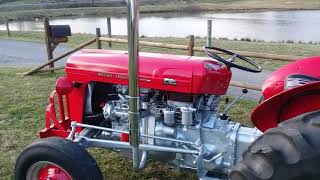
(47, 39)
(191, 45)
(109, 31)
(209, 33)
(98, 35)
(7, 27)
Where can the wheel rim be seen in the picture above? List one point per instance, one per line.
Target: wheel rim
(44, 170)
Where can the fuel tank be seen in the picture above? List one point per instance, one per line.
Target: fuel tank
(184, 74)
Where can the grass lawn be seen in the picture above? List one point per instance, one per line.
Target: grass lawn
(306, 50)
(22, 115)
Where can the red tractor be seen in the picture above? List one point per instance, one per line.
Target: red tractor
(166, 107)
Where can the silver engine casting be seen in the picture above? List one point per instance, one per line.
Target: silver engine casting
(192, 121)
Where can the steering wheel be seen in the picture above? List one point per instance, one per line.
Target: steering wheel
(255, 68)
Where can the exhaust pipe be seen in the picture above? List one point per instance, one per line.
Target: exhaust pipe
(133, 48)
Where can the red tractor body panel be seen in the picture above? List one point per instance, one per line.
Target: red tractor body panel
(276, 82)
(286, 105)
(185, 74)
(281, 104)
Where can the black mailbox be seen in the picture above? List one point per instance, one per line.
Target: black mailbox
(59, 31)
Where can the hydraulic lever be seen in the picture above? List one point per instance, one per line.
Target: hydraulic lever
(224, 115)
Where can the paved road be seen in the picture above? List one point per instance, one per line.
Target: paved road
(247, 77)
(20, 53)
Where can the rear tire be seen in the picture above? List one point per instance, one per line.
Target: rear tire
(76, 162)
(290, 151)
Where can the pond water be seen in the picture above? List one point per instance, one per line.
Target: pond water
(268, 26)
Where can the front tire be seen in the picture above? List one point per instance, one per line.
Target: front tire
(56, 158)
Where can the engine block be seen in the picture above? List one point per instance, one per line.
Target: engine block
(192, 120)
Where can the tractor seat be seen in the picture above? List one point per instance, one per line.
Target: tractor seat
(296, 80)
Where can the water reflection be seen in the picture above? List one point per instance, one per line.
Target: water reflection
(268, 26)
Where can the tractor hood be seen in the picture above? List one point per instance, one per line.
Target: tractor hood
(185, 74)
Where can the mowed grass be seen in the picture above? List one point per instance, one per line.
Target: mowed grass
(281, 48)
(22, 115)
